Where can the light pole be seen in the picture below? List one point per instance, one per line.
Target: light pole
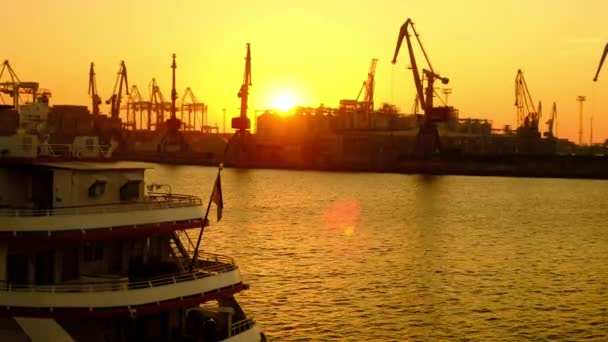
(446, 92)
(580, 100)
(224, 110)
(591, 130)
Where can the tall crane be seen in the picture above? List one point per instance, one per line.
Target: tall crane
(173, 140)
(599, 67)
(552, 123)
(242, 123)
(369, 86)
(428, 138)
(95, 99)
(158, 105)
(527, 115)
(114, 100)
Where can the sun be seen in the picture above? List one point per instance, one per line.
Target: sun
(283, 102)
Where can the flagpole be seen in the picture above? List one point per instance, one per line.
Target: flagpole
(200, 235)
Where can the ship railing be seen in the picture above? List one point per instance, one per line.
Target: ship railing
(215, 264)
(241, 326)
(150, 202)
(69, 150)
(210, 262)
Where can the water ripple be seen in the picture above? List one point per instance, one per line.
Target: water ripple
(381, 257)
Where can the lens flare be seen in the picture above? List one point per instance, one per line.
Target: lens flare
(342, 216)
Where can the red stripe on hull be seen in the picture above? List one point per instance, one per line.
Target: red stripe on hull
(99, 234)
(119, 312)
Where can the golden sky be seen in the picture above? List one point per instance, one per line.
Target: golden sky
(318, 51)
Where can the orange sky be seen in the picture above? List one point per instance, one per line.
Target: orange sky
(318, 51)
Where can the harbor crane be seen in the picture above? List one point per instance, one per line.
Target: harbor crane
(599, 67)
(551, 123)
(428, 141)
(136, 105)
(527, 115)
(159, 105)
(114, 100)
(173, 140)
(194, 108)
(15, 88)
(359, 112)
(242, 123)
(369, 86)
(95, 99)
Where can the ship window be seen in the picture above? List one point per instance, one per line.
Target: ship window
(69, 268)
(93, 251)
(98, 188)
(45, 268)
(89, 144)
(130, 191)
(27, 143)
(17, 269)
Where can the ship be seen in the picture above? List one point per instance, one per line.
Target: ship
(90, 252)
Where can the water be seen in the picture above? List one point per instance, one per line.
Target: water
(356, 256)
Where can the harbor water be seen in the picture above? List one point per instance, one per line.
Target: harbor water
(390, 257)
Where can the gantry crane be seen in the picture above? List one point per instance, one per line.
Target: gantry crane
(242, 122)
(114, 100)
(95, 99)
(599, 67)
(136, 105)
(551, 123)
(428, 141)
(527, 115)
(15, 88)
(194, 108)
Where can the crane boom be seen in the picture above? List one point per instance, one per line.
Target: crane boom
(551, 121)
(158, 104)
(403, 33)
(527, 115)
(426, 99)
(115, 99)
(371, 83)
(95, 99)
(242, 123)
(599, 67)
(369, 86)
(428, 141)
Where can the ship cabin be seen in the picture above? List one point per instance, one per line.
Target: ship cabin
(59, 199)
(85, 239)
(74, 221)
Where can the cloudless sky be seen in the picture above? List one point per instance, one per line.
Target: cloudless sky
(318, 51)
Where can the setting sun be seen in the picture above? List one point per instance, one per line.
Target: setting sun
(283, 102)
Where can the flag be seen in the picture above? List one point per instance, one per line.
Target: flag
(216, 196)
